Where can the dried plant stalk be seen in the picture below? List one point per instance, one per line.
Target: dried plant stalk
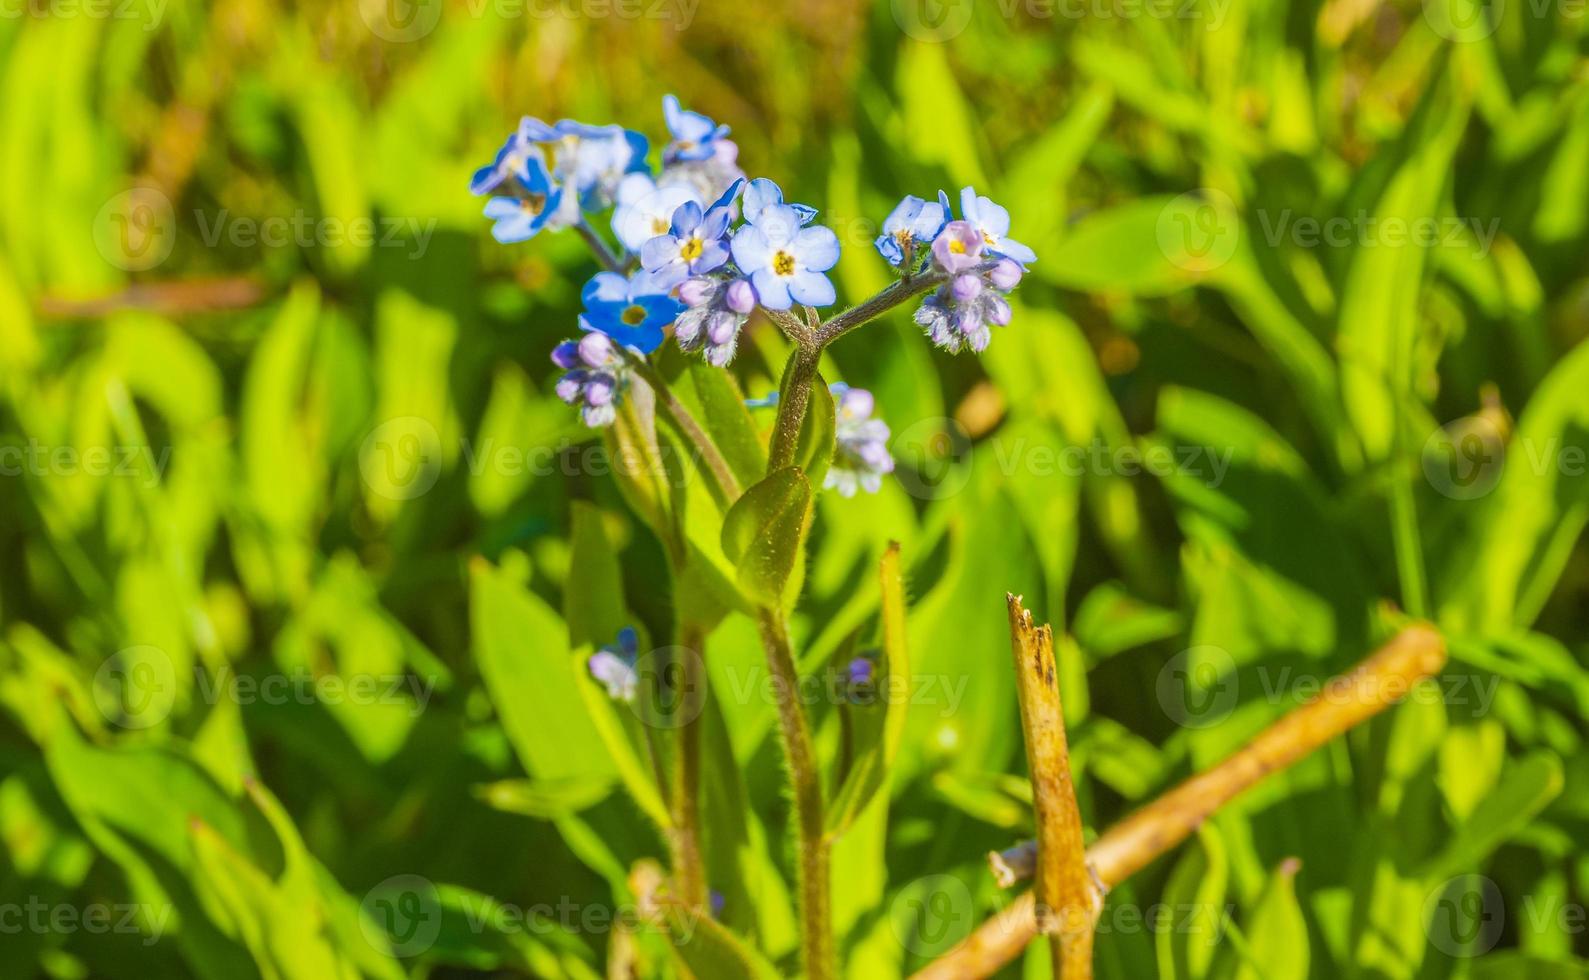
(1379, 682)
(1066, 898)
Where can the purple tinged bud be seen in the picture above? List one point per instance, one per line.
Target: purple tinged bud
(741, 296)
(966, 287)
(720, 329)
(599, 391)
(566, 355)
(568, 388)
(1005, 274)
(998, 311)
(694, 292)
(595, 349)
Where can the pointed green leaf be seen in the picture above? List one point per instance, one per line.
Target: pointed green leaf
(763, 533)
(876, 729)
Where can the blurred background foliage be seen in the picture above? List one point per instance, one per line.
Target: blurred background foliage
(314, 476)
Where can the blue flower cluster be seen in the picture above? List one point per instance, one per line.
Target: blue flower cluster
(699, 247)
(981, 262)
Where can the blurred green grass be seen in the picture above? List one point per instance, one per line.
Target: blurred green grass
(243, 445)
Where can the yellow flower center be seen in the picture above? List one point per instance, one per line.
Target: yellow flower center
(533, 203)
(783, 264)
(634, 315)
(691, 250)
(903, 237)
(659, 226)
(957, 246)
(989, 239)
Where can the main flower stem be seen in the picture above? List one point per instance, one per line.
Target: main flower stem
(792, 404)
(816, 927)
(689, 871)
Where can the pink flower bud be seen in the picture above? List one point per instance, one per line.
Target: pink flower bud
(694, 292)
(741, 296)
(965, 287)
(1005, 274)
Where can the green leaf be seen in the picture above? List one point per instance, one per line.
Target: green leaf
(1276, 931)
(876, 729)
(544, 799)
(722, 411)
(1111, 619)
(1114, 249)
(1503, 570)
(593, 601)
(522, 649)
(1527, 786)
(763, 534)
(1196, 889)
(1379, 315)
(538, 686)
(710, 949)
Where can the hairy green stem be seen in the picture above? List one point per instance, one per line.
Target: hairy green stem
(792, 326)
(888, 298)
(726, 488)
(816, 927)
(689, 871)
(792, 404)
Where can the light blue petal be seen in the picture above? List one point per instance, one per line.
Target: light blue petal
(760, 194)
(993, 219)
(772, 290)
(498, 208)
(1015, 250)
(811, 288)
(605, 287)
(658, 252)
(968, 205)
(686, 218)
(751, 248)
(817, 248)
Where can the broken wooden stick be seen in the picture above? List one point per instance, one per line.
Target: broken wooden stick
(1066, 900)
(1382, 680)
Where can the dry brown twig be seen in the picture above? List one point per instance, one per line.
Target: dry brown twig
(1066, 899)
(1377, 683)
